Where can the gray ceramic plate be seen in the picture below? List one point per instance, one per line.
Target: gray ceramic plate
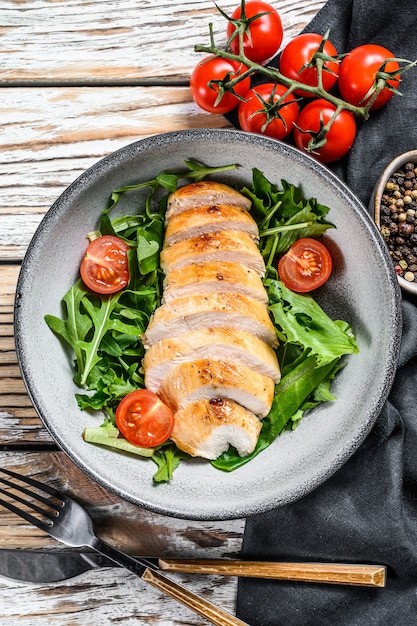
(364, 290)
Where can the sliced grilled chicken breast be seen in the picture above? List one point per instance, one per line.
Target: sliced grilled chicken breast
(209, 346)
(207, 428)
(205, 192)
(200, 278)
(225, 344)
(208, 219)
(206, 379)
(218, 247)
(215, 310)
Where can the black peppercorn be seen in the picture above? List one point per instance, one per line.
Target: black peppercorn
(398, 220)
(405, 229)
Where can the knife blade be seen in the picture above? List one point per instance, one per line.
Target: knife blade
(40, 566)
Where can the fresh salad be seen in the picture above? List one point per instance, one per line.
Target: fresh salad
(107, 312)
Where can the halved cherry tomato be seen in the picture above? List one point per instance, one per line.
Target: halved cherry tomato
(306, 266)
(205, 93)
(265, 31)
(143, 419)
(104, 268)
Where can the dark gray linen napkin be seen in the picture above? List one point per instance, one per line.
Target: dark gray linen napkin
(367, 511)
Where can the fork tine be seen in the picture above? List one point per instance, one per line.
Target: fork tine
(28, 493)
(30, 505)
(29, 518)
(34, 483)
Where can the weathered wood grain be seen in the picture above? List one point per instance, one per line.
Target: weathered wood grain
(108, 595)
(120, 42)
(19, 422)
(50, 136)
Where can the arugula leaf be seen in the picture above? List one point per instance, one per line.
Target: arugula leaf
(167, 459)
(310, 358)
(76, 325)
(283, 215)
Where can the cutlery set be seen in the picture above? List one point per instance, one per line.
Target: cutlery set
(67, 521)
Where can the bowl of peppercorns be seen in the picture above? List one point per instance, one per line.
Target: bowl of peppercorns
(394, 203)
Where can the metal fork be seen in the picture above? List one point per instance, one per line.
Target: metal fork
(67, 521)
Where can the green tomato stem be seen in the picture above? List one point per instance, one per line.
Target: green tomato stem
(276, 76)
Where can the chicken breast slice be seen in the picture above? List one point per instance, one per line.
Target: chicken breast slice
(199, 278)
(205, 192)
(215, 310)
(207, 428)
(217, 344)
(217, 247)
(207, 219)
(205, 379)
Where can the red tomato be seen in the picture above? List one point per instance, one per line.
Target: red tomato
(266, 31)
(340, 137)
(299, 52)
(143, 419)
(358, 72)
(104, 268)
(306, 265)
(252, 115)
(215, 68)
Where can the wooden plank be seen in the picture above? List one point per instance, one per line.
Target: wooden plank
(108, 595)
(57, 133)
(8, 279)
(19, 422)
(127, 41)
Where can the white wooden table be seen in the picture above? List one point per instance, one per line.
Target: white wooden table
(79, 80)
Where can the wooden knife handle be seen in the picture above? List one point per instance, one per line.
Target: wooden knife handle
(333, 573)
(199, 605)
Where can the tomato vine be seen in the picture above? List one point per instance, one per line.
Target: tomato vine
(385, 78)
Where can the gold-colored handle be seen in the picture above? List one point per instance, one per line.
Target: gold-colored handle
(333, 573)
(199, 605)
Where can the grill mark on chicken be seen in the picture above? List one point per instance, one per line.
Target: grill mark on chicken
(215, 310)
(203, 193)
(230, 344)
(209, 379)
(200, 278)
(218, 247)
(208, 219)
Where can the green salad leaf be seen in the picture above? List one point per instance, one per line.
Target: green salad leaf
(108, 435)
(303, 321)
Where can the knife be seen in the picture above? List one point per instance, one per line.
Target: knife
(39, 566)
